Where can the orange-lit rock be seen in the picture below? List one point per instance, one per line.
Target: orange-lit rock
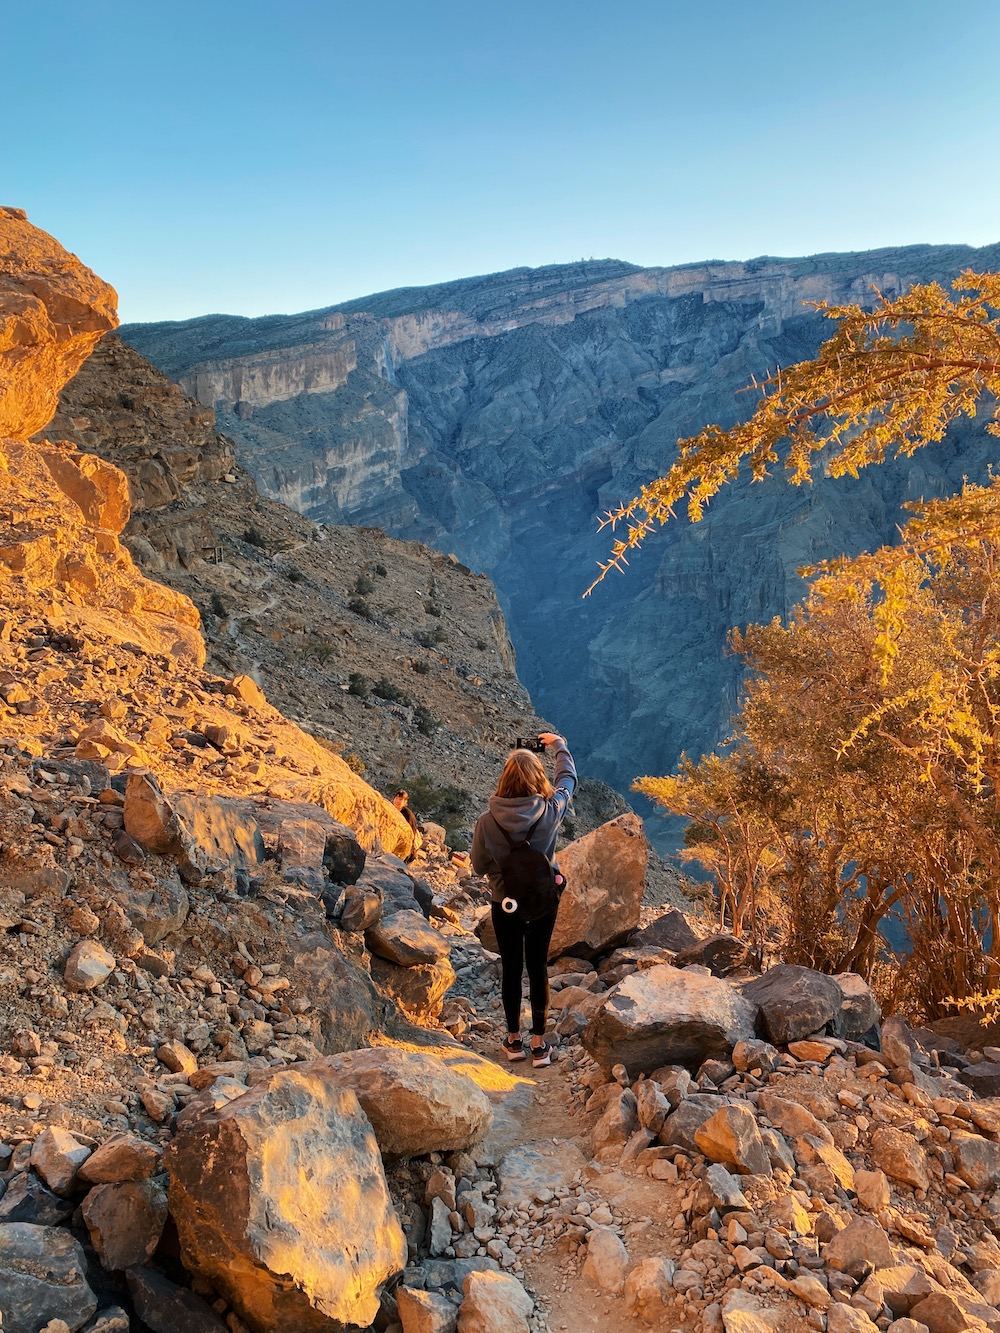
(53, 309)
(281, 1203)
(415, 1103)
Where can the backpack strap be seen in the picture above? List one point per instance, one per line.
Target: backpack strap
(527, 836)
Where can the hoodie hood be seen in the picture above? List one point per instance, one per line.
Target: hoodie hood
(516, 813)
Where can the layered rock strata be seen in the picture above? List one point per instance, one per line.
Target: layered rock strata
(496, 417)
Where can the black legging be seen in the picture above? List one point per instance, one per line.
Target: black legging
(523, 943)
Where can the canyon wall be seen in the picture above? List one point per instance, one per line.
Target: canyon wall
(496, 417)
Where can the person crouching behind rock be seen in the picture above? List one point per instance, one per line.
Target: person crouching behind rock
(526, 806)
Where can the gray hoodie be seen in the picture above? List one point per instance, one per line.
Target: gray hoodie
(517, 814)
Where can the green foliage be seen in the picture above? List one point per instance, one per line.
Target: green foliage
(424, 720)
(363, 586)
(359, 684)
(218, 606)
(420, 666)
(254, 537)
(446, 805)
(361, 608)
(319, 650)
(380, 570)
(385, 689)
(294, 575)
(430, 638)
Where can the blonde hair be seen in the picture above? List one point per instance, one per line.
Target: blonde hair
(523, 775)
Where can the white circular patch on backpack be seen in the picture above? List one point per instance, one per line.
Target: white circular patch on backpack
(508, 905)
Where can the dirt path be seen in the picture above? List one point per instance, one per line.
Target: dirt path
(548, 1107)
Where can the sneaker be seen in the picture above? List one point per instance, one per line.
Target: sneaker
(541, 1055)
(514, 1050)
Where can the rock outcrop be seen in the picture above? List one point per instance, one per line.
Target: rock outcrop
(496, 417)
(281, 1203)
(53, 309)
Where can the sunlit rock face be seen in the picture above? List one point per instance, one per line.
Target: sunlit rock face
(52, 311)
(281, 1202)
(496, 417)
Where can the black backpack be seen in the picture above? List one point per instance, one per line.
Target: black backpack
(532, 885)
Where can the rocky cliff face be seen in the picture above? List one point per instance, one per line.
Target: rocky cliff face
(495, 417)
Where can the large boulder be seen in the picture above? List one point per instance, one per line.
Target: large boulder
(420, 990)
(665, 1016)
(281, 1203)
(794, 1002)
(671, 930)
(347, 1007)
(52, 312)
(312, 846)
(859, 1009)
(42, 1277)
(406, 939)
(416, 1104)
(203, 834)
(605, 875)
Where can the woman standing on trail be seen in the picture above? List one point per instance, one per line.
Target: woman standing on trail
(526, 808)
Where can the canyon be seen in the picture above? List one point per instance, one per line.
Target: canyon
(496, 418)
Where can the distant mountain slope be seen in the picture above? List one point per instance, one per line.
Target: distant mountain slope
(495, 418)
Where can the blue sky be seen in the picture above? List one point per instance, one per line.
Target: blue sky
(265, 156)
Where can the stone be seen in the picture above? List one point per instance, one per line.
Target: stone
(667, 1016)
(606, 1261)
(809, 1289)
(299, 1249)
(42, 1276)
(859, 1010)
(742, 1313)
(860, 1246)
(125, 1222)
(977, 1159)
(652, 1106)
(987, 1283)
(816, 1152)
(907, 1326)
(845, 1319)
(54, 310)
(26, 1199)
(872, 1190)
(158, 910)
(903, 1286)
(57, 1156)
(112, 1319)
(900, 1049)
(618, 1122)
(681, 1125)
(941, 1313)
(794, 1002)
(605, 876)
(425, 1311)
(722, 954)
(177, 1058)
(983, 1078)
(419, 990)
(122, 1157)
(670, 930)
(731, 1138)
(648, 1290)
(720, 1190)
(755, 1056)
(405, 938)
(164, 1307)
(494, 1303)
(362, 909)
(203, 834)
(900, 1156)
(415, 1103)
(88, 966)
(791, 1117)
(547, 1164)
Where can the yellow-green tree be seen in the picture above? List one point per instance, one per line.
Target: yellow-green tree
(889, 381)
(863, 773)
